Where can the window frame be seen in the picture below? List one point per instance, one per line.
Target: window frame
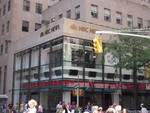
(94, 11)
(26, 5)
(129, 20)
(39, 8)
(25, 28)
(118, 17)
(77, 12)
(107, 14)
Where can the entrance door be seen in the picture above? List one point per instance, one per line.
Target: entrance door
(107, 100)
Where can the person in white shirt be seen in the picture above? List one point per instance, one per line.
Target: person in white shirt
(32, 106)
(143, 109)
(67, 109)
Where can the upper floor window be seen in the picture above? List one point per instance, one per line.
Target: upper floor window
(9, 5)
(148, 23)
(6, 47)
(94, 11)
(38, 8)
(25, 26)
(107, 14)
(60, 16)
(7, 29)
(3, 27)
(4, 9)
(1, 50)
(37, 26)
(129, 20)
(140, 22)
(77, 12)
(0, 11)
(68, 14)
(26, 5)
(118, 17)
(0, 73)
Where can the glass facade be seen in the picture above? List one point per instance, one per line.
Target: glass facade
(50, 71)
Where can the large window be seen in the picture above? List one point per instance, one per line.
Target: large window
(26, 5)
(94, 11)
(56, 57)
(38, 8)
(25, 26)
(107, 14)
(77, 12)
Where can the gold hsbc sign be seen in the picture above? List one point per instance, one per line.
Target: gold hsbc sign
(83, 29)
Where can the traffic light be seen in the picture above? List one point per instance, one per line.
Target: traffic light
(147, 72)
(98, 47)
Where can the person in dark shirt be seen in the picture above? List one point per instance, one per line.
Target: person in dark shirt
(10, 105)
(13, 109)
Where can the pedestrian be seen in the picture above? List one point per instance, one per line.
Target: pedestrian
(26, 106)
(118, 108)
(110, 110)
(87, 110)
(32, 106)
(77, 109)
(14, 109)
(21, 110)
(40, 108)
(143, 109)
(67, 109)
(100, 110)
(10, 105)
(4, 107)
(58, 106)
(72, 107)
(17, 107)
(125, 111)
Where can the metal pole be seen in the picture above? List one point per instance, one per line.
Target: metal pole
(77, 95)
(78, 92)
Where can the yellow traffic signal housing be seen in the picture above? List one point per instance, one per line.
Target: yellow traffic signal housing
(98, 47)
(147, 72)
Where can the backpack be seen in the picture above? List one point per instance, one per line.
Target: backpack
(4, 106)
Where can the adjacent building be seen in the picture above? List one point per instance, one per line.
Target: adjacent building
(18, 18)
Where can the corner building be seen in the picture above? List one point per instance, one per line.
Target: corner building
(51, 62)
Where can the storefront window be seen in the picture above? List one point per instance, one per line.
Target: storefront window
(16, 86)
(18, 61)
(45, 52)
(34, 56)
(73, 52)
(25, 59)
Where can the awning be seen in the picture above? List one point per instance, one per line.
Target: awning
(3, 96)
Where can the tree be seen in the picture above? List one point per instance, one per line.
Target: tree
(130, 53)
(134, 51)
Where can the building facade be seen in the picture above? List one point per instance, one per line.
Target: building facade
(60, 56)
(49, 63)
